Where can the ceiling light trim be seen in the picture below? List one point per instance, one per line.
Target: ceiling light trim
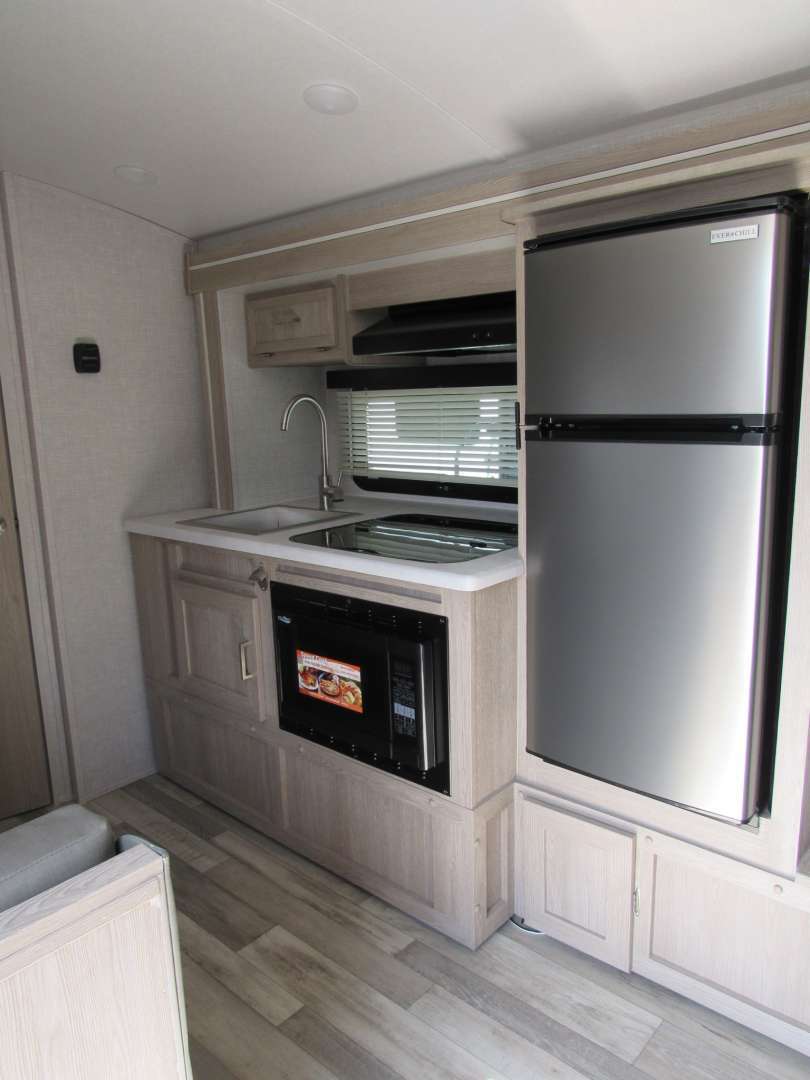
(136, 175)
(492, 151)
(539, 189)
(330, 99)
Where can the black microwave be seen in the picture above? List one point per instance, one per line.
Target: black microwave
(368, 680)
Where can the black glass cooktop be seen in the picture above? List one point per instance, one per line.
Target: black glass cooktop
(417, 537)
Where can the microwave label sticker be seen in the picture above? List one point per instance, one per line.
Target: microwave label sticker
(330, 680)
(403, 696)
(736, 232)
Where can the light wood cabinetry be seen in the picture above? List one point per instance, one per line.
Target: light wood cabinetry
(205, 627)
(735, 938)
(90, 980)
(574, 879)
(207, 750)
(725, 934)
(445, 861)
(443, 864)
(302, 326)
(218, 641)
(434, 279)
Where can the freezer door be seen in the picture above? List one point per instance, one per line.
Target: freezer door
(645, 569)
(662, 322)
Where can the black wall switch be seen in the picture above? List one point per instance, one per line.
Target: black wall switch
(86, 358)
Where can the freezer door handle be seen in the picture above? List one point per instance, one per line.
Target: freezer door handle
(762, 430)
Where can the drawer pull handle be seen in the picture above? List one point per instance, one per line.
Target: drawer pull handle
(243, 647)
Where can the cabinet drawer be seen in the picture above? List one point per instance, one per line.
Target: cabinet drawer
(291, 322)
(220, 647)
(574, 880)
(726, 934)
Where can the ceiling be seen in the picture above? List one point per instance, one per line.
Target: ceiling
(206, 94)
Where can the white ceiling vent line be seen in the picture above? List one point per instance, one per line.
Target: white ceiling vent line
(491, 200)
(491, 152)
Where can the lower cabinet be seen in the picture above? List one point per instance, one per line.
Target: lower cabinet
(725, 934)
(221, 762)
(574, 879)
(735, 938)
(444, 864)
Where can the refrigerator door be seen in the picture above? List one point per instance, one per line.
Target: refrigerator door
(646, 617)
(667, 321)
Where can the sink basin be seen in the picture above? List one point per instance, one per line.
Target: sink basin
(264, 519)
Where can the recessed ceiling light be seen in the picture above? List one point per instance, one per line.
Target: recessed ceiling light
(134, 174)
(331, 99)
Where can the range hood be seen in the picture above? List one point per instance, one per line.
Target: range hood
(468, 325)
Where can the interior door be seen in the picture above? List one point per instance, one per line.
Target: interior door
(24, 779)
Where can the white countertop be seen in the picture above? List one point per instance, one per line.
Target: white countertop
(468, 576)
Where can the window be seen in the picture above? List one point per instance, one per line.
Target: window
(452, 440)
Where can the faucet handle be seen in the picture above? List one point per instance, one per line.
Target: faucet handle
(330, 491)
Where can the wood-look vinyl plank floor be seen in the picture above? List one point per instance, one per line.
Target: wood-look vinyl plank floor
(345, 946)
(242, 1040)
(167, 832)
(292, 973)
(383, 1028)
(291, 859)
(710, 1029)
(204, 1065)
(332, 1048)
(320, 897)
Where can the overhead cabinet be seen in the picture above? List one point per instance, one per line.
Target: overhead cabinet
(300, 327)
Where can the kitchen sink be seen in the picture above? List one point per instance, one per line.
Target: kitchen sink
(264, 519)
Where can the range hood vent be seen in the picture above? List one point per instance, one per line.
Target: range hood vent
(468, 325)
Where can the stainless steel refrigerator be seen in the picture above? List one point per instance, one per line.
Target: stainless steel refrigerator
(656, 443)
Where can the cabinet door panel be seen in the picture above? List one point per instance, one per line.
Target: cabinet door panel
(313, 800)
(722, 932)
(290, 322)
(400, 846)
(219, 647)
(574, 880)
(216, 759)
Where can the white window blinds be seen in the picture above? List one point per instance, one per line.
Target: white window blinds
(462, 435)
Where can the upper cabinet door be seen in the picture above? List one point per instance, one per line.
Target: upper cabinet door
(219, 647)
(290, 322)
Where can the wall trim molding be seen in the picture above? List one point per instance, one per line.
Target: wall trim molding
(521, 193)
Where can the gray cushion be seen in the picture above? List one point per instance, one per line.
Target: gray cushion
(50, 849)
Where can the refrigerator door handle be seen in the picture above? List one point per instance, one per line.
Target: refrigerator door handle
(532, 428)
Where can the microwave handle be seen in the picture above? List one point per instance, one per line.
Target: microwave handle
(427, 727)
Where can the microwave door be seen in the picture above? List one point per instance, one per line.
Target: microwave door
(332, 682)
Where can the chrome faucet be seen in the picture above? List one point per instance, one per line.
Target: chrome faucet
(329, 492)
